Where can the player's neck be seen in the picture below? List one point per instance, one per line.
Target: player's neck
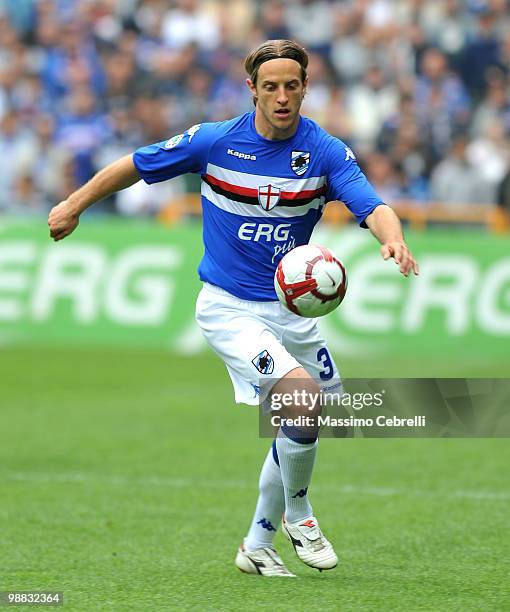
(271, 132)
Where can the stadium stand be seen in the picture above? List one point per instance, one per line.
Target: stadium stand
(420, 90)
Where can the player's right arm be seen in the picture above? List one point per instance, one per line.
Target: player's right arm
(64, 217)
(154, 163)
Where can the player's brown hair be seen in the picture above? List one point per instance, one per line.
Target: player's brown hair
(274, 49)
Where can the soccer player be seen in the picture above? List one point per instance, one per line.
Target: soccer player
(266, 177)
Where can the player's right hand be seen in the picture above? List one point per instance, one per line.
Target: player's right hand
(62, 220)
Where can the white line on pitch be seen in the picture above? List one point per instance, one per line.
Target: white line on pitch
(157, 481)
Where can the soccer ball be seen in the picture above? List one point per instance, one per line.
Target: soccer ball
(310, 281)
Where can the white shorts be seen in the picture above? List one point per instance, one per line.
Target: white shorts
(260, 342)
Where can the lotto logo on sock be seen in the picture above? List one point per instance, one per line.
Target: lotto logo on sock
(301, 493)
(265, 524)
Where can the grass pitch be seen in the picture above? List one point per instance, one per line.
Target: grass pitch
(128, 480)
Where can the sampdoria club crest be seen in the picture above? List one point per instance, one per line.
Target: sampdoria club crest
(299, 162)
(264, 362)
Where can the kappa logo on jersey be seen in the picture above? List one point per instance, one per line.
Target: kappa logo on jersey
(242, 155)
(264, 363)
(299, 161)
(174, 141)
(269, 196)
(349, 154)
(193, 130)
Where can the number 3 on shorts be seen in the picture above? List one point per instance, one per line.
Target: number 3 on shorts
(324, 358)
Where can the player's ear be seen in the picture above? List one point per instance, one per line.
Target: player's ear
(305, 88)
(251, 86)
(253, 89)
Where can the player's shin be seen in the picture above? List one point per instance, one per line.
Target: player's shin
(297, 458)
(270, 504)
(296, 445)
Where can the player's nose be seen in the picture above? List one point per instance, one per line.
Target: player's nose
(282, 97)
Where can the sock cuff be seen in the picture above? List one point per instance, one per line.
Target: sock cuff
(298, 435)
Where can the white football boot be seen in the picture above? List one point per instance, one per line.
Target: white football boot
(262, 561)
(310, 544)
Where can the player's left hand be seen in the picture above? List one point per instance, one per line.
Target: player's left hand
(402, 256)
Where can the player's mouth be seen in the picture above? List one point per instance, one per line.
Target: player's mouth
(283, 113)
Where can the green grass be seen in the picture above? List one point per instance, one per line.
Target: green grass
(128, 480)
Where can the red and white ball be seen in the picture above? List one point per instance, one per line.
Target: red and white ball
(310, 281)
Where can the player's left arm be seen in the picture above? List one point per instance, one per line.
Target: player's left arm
(348, 184)
(386, 227)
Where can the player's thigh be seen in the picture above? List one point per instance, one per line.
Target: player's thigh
(305, 342)
(254, 356)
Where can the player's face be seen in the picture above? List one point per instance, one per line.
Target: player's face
(279, 92)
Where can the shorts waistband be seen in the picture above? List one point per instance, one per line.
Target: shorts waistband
(220, 291)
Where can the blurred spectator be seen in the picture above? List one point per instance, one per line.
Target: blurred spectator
(44, 163)
(319, 90)
(384, 177)
(336, 120)
(349, 54)
(378, 20)
(369, 105)
(27, 198)
(495, 105)
(402, 140)
(273, 20)
(228, 96)
(481, 52)
(490, 153)
(122, 77)
(310, 23)
(188, 23)
(82, 129)
(21, 14)
(198, 88)
(150, 114)
(124, 137)
(12, 49)
(441, 100)
(455, 181)
(446, 24)
(16, 145)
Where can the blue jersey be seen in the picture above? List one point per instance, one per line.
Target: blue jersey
(260, 197)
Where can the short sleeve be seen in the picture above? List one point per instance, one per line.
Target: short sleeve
(183, 153)
(347, 183)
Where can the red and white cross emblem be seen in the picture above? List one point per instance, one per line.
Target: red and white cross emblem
(269, 196)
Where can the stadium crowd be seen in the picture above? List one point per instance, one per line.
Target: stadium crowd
(420, 89)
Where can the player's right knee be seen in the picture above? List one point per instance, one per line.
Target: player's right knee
(302, 404)
(301, 393)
